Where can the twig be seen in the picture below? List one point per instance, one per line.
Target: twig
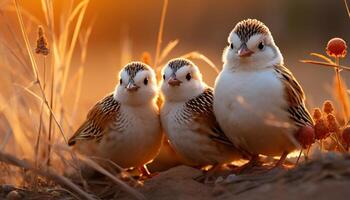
(64, 190)
(347, 8)
(119, 182)
(47, 173)
(122, 170)
(325, 64)
(81, 159)
(335, 139)
(301, 151)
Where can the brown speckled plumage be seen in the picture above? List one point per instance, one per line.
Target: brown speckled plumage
(249, 27)
(98, 119)
(177, 63)
(134, 67)
(295, 97)
(200, 110)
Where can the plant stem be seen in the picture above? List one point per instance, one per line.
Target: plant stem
(301, 151)
(50, 174)
(160, 36)
(340, 90)
(50, 119)
(34, 67)
(44, 76)
(37, 143)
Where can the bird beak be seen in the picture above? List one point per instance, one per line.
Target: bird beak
(132, 87)
(173, 81)
(243, 51)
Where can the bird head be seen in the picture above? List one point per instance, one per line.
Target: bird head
(137, 84)
(251, 45)
(182, 80)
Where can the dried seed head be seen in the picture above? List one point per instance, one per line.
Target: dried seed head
(317, 114)
(346, 135)
(321, 129)
(41, 43)
(333, 124)
(328, 107)
(336, 47)
(305, 136)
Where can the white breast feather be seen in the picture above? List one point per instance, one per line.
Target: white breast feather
(250, 107)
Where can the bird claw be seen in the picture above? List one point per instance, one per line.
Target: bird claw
(145, 174)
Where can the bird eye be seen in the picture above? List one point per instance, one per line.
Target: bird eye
(188, 76)
(145, 81)
(163, 76)
(261, 45)
(231, 45)
(121, 81)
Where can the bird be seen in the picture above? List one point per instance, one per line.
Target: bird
(124, 126)
(258, 102)
(188, 119)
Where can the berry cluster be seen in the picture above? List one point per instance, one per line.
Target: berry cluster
(327, 128)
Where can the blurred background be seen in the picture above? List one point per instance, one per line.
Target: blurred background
(298, 26)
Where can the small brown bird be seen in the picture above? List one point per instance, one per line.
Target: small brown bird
(258, 102)
(188, 119)
(124, 126)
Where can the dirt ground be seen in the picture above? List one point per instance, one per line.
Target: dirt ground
(327, 177)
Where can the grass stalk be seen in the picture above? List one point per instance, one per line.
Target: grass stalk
(51, 116)
(326, 64)
(119, 182)
(347, 8)
(50, 174)
(35, 68)
(83, 43)
(197, 55)
(37, 143)
(71, 48)
(160, 33)
(341, 92)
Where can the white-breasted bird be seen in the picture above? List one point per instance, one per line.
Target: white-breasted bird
(124, 127)
(187, 117)
(257, 101)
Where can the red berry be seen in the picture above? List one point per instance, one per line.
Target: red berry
(346, 135)
(317, 114)
(333, 124)
(328, 107)
(321, 129)
(336, 47)
(305, 136)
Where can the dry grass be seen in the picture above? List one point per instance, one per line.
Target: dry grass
(33, 112)
(35, 118)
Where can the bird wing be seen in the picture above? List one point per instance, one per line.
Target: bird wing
(295, 97)
(100, 115)
(201, 108)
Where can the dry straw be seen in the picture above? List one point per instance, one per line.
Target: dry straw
(51, 108)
